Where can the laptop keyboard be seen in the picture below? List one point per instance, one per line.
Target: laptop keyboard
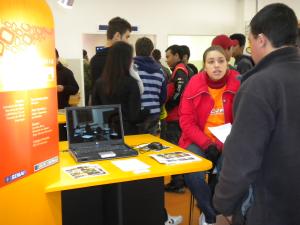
(102, 148)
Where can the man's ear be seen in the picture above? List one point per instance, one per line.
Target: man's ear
(262, 40)
(116, 37)
(177, 56)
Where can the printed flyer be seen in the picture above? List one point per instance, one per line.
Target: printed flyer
(175, 158)
(84, 171)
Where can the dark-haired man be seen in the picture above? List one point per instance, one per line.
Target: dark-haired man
(243, 63)
(66, 86)
(185, 59)
(156, 54)
(66, 83)
(119, 29)
(260, 174)
(179, 79)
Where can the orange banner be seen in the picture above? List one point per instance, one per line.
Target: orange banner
(28, 94)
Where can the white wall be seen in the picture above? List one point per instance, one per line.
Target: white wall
(158, 17)
(294, 4)
(250, 6)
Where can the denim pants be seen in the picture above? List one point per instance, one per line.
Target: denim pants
(200, 189)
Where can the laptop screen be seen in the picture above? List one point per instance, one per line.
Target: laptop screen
(94, 124)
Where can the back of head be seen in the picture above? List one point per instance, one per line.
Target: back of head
(144, 46)
(117, 24)
(84, 54)
(186, 51)
(277, 22)
(156, 54)
(117, 64)
(175, 49)
(240, 38)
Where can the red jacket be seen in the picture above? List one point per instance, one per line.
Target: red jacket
(196, 105)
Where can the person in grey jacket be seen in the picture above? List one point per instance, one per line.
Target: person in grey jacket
(262, 153)
(243, 63)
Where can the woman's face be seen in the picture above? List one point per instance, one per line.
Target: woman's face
(215, 65)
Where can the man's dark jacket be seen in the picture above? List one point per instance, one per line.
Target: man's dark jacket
(97, 64)
(66, 78)
(243, 64)
(262, 149)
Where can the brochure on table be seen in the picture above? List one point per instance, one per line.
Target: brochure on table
(85, 170)
(177, 157)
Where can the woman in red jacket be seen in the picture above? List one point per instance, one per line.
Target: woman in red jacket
(206, 102)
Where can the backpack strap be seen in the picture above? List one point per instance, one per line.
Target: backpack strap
(182, 67)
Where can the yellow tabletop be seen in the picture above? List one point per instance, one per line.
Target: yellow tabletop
(116, 175)
(61, 117)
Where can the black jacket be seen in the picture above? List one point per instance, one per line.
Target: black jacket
(66, 78)
(193, 68)
(97, 64)
(128, 95)
(243, 64)
(262, 149)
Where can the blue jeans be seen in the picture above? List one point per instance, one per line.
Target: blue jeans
(200, 189)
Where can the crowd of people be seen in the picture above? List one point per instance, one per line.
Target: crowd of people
(254, 179)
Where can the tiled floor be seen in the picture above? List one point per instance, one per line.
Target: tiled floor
(179, 204)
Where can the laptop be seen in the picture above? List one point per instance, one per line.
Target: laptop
(96, 133)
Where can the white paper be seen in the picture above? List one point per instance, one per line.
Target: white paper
(131, 165)
(221, 132)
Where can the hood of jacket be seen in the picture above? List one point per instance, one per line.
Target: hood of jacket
(147, 64)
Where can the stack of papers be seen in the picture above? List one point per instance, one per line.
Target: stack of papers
(175, 158)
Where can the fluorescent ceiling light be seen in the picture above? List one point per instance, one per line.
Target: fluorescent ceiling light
(66, 3)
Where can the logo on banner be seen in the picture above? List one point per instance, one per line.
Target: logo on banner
(15, 176)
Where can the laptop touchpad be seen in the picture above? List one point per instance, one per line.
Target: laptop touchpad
(107, 154)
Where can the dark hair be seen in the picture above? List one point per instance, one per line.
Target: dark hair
(117, 65)
(117, 24)
(298, 38)
(84, 54)
(156, 54)
(240, 38)
(176, 49)
(186, 51)
(143, 47)
(277, 22)
(56, 54)
(213, 48)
